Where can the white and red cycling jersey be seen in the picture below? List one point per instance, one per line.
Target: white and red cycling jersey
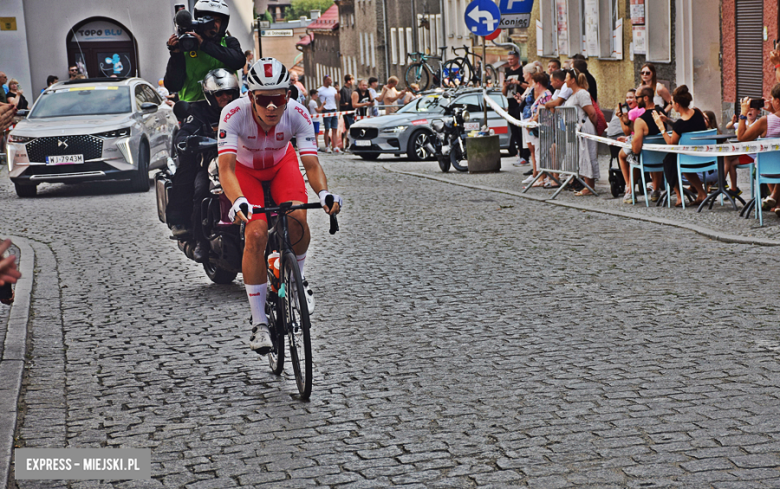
(257, 149)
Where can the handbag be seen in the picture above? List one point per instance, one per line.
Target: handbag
(601, 121)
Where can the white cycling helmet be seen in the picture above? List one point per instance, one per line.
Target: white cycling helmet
(220, 80)
(213, 7)
(267, 74)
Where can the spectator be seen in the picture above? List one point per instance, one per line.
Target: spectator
(345, 105)
(314, 109)
(643, 126)
(691, 119)
(525, 101)
(361, 99)
(73, 71)
(586, 114)
(553, 65)
(84, 77)
(249, 57)
(411, 95)
(562, 91)
(16, 95)
(3, 79)
(711, 119)
(302, 92)
(373, 83)
(513, 83)
(615, 127)
(161, 90)
(50, 80)
(774, 58)
(661, 96)
(540, 95)
(767, 126)
(328, 96)
(582, 66)
(389, 95)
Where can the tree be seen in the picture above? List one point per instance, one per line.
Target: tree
(303, 8)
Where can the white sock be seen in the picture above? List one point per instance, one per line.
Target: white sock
(256, 295)
(301, 261)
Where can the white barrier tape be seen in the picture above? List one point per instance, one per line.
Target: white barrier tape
(729, 149)
(332, 114)
(497, 108)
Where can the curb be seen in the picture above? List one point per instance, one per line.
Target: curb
(709, 233)
(13, 357)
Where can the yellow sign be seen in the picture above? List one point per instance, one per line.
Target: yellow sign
(7, 23)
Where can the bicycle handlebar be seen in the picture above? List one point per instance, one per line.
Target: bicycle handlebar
(287, 207)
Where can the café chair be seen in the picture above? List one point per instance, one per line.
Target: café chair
(767, 171)
(649, 162)
(695, 164)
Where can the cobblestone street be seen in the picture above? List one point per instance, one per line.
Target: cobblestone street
(462, 338)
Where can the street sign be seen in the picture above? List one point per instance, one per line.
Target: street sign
(482, 17)
(515, 13)
(277, 33)
(264, 24)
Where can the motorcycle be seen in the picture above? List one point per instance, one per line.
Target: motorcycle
(225, 240)
(449, 143)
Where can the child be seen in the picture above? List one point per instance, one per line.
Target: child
(730, 163)
(314, 109)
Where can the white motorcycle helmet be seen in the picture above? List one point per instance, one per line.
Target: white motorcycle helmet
(219, 80)
(213, 7)
(267, 74)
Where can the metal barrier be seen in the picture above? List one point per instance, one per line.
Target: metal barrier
(559, 148)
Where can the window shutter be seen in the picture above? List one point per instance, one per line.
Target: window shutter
(750, 62)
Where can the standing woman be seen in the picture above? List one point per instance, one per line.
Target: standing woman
(661, 98)
(586, 117)
(15, 96)
(541, 96)
(525, 100)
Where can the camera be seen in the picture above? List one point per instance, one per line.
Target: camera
(757, 103)
(185, 24)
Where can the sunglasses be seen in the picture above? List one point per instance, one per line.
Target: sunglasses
(73, 71)
(266, 100)
(646, 72)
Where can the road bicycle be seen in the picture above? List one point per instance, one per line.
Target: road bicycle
(460, 71)
(421, 73)
(285, 305)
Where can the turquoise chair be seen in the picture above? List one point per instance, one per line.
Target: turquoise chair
(649, 162)
(695, 164)
(767, 171)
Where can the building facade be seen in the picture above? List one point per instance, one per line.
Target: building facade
(320, 48)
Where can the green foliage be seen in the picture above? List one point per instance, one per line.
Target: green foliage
(303, 8)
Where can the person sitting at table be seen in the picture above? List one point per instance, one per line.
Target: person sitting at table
(615, 128)
(767, 127)
(730, 162)
(691, 120)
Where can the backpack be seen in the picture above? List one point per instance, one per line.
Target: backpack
(601, 121)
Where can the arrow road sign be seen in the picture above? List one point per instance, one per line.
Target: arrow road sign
(482, 17)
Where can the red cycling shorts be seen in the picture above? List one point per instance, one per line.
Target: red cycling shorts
(286, 182)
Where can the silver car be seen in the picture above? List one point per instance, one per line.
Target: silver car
(94, 129)
(407, 131)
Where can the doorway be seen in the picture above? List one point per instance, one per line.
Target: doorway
(102, 48)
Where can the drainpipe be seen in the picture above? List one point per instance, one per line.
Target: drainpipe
(443, 31)
(387, 40)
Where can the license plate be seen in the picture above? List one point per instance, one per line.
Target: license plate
(471, 126)
(65, 160)
(362, 142)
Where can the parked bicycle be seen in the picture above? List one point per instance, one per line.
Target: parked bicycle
(286, 306)
(422, 73)
(460, 71)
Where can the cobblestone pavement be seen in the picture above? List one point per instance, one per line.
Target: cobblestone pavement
(720, 219)
(462, 338)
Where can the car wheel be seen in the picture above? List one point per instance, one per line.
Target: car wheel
(415, 149)
(28, 190)
(140, 181)
(369, 156)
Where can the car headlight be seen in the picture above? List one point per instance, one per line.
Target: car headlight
(437, 125)
(119, 133)
(466, 116)
(394, 130)
(19, 139)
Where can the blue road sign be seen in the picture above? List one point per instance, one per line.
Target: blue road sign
(515, 6)
(482, 17)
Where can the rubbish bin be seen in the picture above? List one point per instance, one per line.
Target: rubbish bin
(484, 154)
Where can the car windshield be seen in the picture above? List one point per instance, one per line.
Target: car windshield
(82, 101)
(426, 103)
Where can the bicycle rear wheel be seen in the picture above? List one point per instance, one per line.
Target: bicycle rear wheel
(296, 316)
(418, 73)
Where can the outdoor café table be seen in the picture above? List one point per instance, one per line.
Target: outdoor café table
(721, 190)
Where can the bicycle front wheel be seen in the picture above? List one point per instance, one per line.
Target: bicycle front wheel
(418, 74)
(296, 315)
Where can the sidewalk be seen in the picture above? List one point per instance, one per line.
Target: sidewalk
(722, 222)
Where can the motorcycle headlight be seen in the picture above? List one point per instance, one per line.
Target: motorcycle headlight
(466, 116)
(119, 133)
(394, 130)
(19, 139)
(437, 125)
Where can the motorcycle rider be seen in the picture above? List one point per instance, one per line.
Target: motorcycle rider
(191, 182)
(254, 147)
(216, 50)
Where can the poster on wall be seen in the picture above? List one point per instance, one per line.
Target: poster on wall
(592, 27)
(637, 12)
(563, 27)
(640, 45)
(115, 64)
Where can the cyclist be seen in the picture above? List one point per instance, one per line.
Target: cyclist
(254, 147)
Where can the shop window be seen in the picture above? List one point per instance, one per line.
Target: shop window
(610, 38)
(393, 52)
(658, 23)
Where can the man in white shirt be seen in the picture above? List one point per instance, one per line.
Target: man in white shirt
(329, 98)
(562, 92)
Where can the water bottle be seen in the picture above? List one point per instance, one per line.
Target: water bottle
(273, 270)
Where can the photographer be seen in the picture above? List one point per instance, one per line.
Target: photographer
(191, 182)
(207, 48)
